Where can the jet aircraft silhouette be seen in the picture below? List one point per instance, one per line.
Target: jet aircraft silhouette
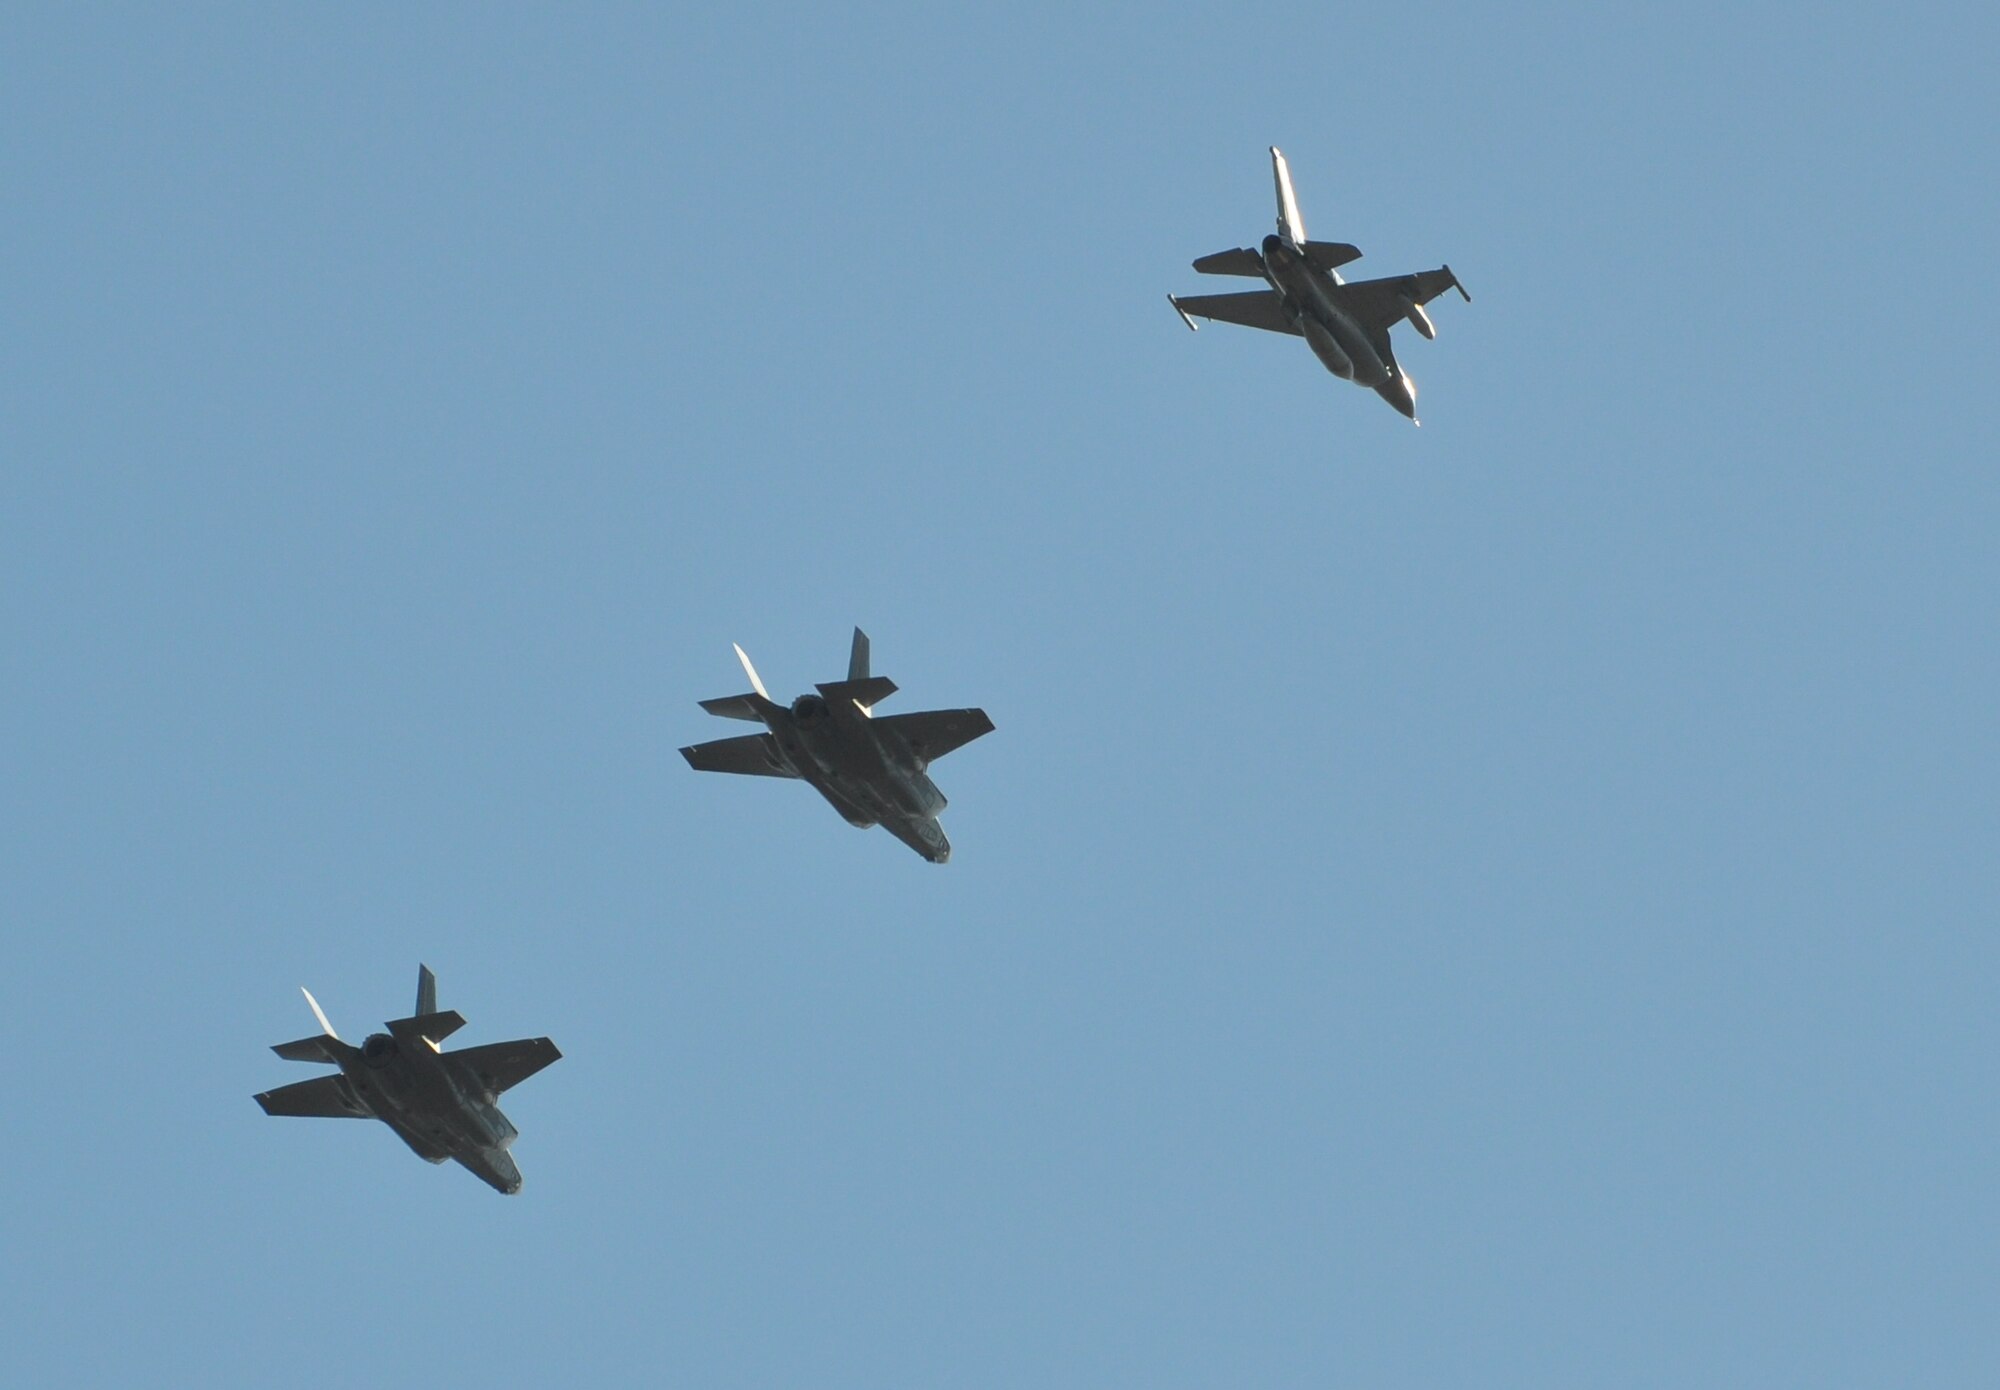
(439, 1103)
(874, 771)
(1345, 324)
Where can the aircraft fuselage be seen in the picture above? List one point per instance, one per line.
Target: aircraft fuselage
(439, 1111)
(1345, 324)
(1335, 338)
(854, 764)
(866, 772)
(874, 772)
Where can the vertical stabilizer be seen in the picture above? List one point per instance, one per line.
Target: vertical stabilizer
(318, 1013)
(1291, 226)
(857, 659)
(751, 671)
(427, 991)
(326, 1046)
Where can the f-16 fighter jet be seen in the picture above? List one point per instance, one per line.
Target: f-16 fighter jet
(872, 770)
(439, 1103)
(1345, 324)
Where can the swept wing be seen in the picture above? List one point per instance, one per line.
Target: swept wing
(502, 1065)
(933, 733)
(1253, 309)
(1377, 304)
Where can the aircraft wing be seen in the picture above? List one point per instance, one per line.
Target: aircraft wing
(1252, 308)
(502, 1065)
(754, 755)
(323, 1097)
(935, 732)
(1379, 303)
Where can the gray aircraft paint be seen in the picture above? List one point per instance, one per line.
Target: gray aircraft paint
(873, 771)
(1345, 325)
(442, 1104)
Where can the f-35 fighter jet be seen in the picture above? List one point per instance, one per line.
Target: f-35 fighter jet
(872, 770)
(439, 1103)
(1345, 324)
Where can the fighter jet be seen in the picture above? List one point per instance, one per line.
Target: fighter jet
(439, 1103)
(872, 770)
(1345, 324)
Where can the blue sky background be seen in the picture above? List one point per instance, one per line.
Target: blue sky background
(1506, 903)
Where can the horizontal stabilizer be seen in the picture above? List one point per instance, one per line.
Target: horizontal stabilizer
(437, 1027)
(1241, 261)
(864, 693)
(314, 1049)
(1329, 255)
(324, 1097)
(753, 755)
(744, 707)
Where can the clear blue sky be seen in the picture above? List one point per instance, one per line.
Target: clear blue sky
(1509, 903)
